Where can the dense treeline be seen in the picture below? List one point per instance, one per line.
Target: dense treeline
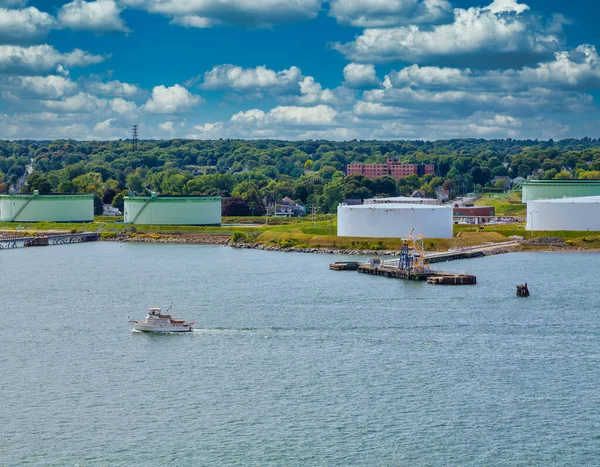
(259, 173)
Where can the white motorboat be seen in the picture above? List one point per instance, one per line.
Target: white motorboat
(157, 322)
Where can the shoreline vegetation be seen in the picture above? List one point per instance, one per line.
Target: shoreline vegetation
(312, 236)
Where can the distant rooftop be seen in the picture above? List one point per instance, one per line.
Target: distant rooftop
(561, 182)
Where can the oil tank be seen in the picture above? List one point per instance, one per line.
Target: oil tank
(553, 189)
(173, 210)
(394, 220)
(575, 214)
(49, 208)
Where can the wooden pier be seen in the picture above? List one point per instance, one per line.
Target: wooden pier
(344, 266)
(432, 277)
(394, 273)
(9, 241)
(452, 279)
(444, 257)
(411, 263)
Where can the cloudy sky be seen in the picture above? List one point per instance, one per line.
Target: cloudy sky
(299, 69)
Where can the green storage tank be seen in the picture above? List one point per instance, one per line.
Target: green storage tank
(173, 210)
(555, 189)
(46, 208)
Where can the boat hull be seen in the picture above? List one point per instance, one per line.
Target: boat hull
(160, 328)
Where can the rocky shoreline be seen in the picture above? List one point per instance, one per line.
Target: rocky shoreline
(326, 251)
(546, 244)
(170, 238)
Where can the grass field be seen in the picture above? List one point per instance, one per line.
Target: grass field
(505, 205)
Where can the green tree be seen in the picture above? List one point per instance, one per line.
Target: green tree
(333, 194)
(67, 186)
(98, 208)
(563, 175)
(135, 182)
(89, 183)
(385, 186)
(119, 201)
(39, 183)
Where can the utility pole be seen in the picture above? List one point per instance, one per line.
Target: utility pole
(134, 138)
(266, 211)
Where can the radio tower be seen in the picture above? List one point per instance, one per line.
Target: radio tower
(134, 138)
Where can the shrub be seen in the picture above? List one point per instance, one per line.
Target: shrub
(288, 242)
(238, 237)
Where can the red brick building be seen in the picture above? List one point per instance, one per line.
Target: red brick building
(391, 167)
(475, 211)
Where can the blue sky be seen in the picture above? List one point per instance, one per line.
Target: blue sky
(299, 69)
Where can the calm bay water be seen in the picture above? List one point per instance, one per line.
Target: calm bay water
(293, 364)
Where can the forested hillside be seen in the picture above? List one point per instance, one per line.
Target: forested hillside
(259, 172)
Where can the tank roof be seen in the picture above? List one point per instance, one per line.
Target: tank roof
(570, 200)
(172, 197)
(396, 206)
(49, 196)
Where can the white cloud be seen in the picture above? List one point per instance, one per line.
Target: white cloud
(250, 116)
(376, 110)
(232, 77)
(194, 21)
(360, 76)
(465, 102)
(288, 86)
(312, 93)
(430, 76)
(122, 107)
(172, 99)
(288, 115)
(494, 36)
(24, 25)
(107, 129)
(104, 126)
(252, 13)
(166, 126)
(576, 70)
(502, 6)
(111, 88)
(40, 87)
(42, 59)
(79, 103)
(385, 13)
(209, 131)
(97, 16)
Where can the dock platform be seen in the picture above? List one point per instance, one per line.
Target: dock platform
(344, 266)
(432, 277)
(394, 273)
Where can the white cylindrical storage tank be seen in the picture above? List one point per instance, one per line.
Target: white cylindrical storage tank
(173, 210)
(394, 220)
(574, 214)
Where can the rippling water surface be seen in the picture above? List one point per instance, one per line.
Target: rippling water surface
(293, 364)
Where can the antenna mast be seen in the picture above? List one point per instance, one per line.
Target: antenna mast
(134, 138)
